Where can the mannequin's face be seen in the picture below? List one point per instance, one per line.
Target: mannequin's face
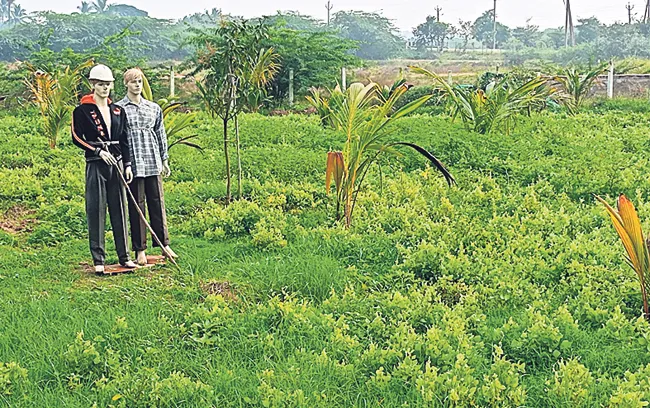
(134, 87)
(102, 89)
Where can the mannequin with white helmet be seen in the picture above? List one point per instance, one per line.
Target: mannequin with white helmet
(99, 128)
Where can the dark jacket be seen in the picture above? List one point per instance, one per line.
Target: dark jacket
(88, 129)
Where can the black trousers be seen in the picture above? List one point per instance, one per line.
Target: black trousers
(148, 190)
(104, 188)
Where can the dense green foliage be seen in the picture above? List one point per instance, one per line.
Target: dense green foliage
(594, 42)
(507, 290)
(376, 35)
(315, 57)
(483, 29)
(432, 34)
(155, 39)
(314, 54)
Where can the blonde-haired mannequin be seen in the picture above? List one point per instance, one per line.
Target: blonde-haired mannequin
(146, 131)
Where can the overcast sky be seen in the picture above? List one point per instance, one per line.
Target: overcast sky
(405, 13)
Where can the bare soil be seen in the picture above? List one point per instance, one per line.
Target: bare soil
(222, 288)
(17, 219)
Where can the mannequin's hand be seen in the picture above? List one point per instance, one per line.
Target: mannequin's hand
(128, 175)
(107, 157)
(166, 170)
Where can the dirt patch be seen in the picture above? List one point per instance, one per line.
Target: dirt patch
(17, 219)
(219, 288)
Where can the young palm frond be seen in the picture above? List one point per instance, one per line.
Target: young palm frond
(321, 104)
(256, 80)
(575, 86)
(628, 226)
(55, 95)
(174, 124)
(497, 106)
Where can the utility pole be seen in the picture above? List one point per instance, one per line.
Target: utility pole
(329, 8)
(172, 82)
(569, 32)
(629, 8)
(438, 10)
(494, 28)
(646, 13)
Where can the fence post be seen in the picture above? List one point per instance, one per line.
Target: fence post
(450, 79)
(291, 86)
(172, 82)
(344, 84)
(610, 80)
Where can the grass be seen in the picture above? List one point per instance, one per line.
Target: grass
(276, 305)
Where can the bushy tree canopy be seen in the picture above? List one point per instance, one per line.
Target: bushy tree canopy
(377, 36)
(432, 33)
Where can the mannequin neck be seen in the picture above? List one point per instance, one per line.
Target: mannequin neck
(100, 101)
(135, 98)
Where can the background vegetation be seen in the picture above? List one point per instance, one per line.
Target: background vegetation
(509, 289)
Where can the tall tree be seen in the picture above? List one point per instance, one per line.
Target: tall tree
(237, 68)
(432, 33)
(17, 15)
(293, 20)
(553, 37)
(465, 31)
(484, 30)
(377, 36)
(588, 30)
(5, 10)
(315, 58)
(207, 18)
(528, 34)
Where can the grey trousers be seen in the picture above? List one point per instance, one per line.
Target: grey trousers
(104, 188)
(148, 190)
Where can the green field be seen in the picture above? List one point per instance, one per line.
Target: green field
(507, 290)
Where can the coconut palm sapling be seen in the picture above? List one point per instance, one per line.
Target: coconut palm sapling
(575, 86)
(483, 111)
(55, 94)
(364, 115)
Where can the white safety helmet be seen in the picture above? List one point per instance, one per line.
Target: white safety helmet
(101, 73)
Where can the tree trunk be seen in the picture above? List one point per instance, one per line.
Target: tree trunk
(239, 170)
(225, 151)
(644, 298)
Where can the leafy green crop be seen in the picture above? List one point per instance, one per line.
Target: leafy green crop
(509, 290)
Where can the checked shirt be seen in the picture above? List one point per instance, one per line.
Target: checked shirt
(147, 137)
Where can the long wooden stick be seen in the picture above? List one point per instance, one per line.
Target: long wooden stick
(143, 218)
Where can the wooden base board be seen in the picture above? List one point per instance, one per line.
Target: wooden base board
(117, 269)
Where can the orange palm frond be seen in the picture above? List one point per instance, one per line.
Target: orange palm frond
(336, 169)
(628, 226)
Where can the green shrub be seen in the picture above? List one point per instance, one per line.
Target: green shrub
(570, 385)
(434, 106)
(632, 390)
(12, 378)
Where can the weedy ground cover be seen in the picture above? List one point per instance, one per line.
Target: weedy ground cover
(509, 289)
